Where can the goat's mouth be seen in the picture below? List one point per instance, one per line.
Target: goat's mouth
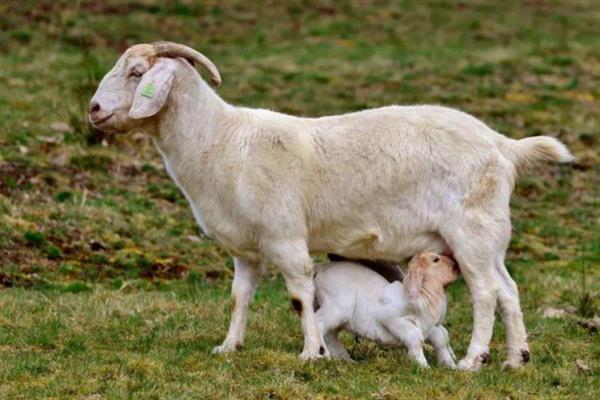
(98, 122)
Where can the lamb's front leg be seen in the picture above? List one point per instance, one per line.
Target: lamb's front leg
(292, 257)
(245, 280)
(438, 337)
(408, 333)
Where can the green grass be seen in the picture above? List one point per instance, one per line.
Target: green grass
(110, 291)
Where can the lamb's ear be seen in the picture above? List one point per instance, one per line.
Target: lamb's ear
(413, 281)
(153, 90)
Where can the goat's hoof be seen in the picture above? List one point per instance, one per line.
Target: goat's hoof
(473, 363)
(309, 357)
(314, 355)
(525, 356)
(225, 348)
(517, 359)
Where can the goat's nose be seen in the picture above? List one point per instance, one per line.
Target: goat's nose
(94, 108)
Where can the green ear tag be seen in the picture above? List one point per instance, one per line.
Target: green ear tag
(148, 90)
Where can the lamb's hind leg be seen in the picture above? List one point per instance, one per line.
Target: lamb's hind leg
(508, 298)
(328, 322)
(336, 348)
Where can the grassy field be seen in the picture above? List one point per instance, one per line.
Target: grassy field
(108, 288)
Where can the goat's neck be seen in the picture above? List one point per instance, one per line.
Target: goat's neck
(192, 135)
(190, 123)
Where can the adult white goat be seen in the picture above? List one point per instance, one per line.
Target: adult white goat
(383, 184)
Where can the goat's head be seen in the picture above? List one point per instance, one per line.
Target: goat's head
(138, 85)
(429, 271)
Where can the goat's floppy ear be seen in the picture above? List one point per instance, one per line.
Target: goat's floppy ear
(153, 90)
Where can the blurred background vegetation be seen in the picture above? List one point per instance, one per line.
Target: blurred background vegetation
(97, 216)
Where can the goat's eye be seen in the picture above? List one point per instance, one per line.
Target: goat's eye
(135, 73)
(436, 259)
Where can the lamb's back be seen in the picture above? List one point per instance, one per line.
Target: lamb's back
(345, 283)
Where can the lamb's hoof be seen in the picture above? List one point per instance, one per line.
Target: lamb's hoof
(468, 365)
(421, 362)
(342, 358)
(517, 360)
(450, 364)
(511, 364)
(225, 348)
(473, 364)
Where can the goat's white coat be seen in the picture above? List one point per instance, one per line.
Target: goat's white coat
(384, 183)
(354, 298)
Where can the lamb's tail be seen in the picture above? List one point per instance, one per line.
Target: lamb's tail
(526, 153)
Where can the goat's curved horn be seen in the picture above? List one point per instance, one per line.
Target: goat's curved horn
(170, 49)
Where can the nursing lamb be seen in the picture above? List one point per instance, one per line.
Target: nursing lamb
(355, 298)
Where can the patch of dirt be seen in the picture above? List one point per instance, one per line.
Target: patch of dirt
(592, 324)
(14, 176)
(159, 270)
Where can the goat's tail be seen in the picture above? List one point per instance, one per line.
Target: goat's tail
(526, 153)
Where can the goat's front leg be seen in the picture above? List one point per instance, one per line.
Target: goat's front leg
(245, 280)
(295, 263)
(508, 299)
(438, 337)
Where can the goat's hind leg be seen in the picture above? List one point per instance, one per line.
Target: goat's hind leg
(517, 348)
(475, 253)
(482, 285)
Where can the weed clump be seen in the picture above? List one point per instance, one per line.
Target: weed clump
(92, 162)
(34, 238)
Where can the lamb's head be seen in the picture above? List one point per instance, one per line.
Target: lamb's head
(429, 274)
(137, 87)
